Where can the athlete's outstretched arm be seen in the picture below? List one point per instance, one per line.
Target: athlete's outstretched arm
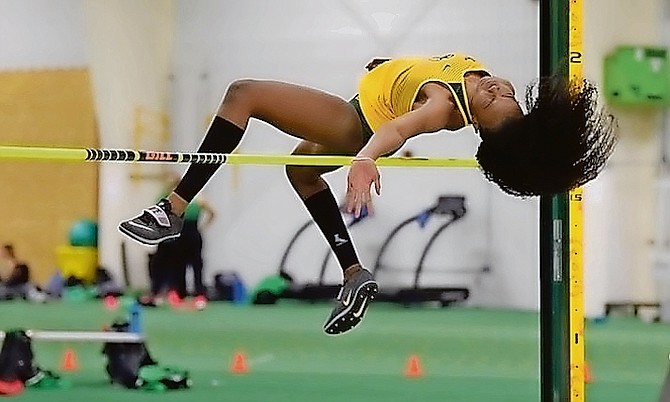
(431, 116)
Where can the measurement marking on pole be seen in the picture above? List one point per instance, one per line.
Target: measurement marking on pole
(558, 250)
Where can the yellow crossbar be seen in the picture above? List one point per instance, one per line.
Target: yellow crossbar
(128, 155)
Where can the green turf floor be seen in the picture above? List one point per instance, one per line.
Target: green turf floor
(467, 355)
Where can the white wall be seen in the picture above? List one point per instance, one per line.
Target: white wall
(42, 34)
(325, 44)
(620, 206)
(130, 45)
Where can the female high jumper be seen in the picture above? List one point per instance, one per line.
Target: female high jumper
(561, 142)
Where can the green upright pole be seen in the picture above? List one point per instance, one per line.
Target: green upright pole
(554, 231)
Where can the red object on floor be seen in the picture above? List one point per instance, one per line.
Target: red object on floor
(10, 388)
(173, 299)
(413, 368)
(239, 365)
(69, 361)
(111, 303)
(587, 373)
(200, 302)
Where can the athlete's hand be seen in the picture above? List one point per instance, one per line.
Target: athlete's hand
(362, 174)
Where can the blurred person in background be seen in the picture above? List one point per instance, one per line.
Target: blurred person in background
(16, 281)
(7, 261)
(561, 142)
(168, 266)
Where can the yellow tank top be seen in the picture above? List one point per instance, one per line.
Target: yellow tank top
(390, 89)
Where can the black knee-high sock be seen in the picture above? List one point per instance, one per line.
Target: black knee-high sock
(222, 137)
(326, 214)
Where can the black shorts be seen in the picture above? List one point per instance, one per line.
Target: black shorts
(367, 131)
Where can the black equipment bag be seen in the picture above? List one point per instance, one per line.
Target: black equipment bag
(131, 365)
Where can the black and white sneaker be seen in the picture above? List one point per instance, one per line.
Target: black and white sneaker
(156, 224)
(352, 302)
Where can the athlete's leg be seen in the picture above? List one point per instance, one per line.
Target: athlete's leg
(329, 125)
(303, 112)
(300, 111)
(359, 287)
(321, 204)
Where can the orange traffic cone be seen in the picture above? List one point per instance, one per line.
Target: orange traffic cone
(69, 361)
(587, 373)
(239, 364)
(413, 368)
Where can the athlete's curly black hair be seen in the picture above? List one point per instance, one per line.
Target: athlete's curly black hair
(561, 143)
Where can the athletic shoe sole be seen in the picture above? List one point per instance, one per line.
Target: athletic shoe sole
(142, 240)
(348, 318)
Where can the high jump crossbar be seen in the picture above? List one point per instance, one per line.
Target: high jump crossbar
(84, 336)
(129, 155)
